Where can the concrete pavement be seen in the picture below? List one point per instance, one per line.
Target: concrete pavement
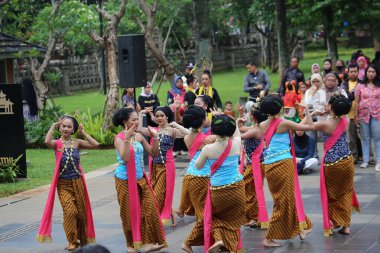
(20, 215)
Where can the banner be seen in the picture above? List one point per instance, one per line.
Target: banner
(12, 138)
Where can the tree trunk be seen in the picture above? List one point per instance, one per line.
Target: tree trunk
(113, 93)
(376, 41)
(332, 46)
(203, 47)
(283, 56)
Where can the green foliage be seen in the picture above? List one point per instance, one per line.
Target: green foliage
(35, 131)
(93, 123)
(73, 22)
(9, 171)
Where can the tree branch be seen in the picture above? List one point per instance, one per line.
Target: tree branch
(262, 32)
(104, 13)
(99, 40)
(167, 36)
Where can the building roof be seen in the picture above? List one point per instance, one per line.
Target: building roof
(10, 45)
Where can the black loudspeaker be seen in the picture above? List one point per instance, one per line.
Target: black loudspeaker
(132, 62)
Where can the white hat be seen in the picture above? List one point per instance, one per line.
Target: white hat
(190, 66)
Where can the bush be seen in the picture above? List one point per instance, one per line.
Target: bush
(93, 126)
(35, 131)
(9, 172)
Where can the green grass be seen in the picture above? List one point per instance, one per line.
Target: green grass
(41, 164)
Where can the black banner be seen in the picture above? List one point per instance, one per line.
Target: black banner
(12, 140)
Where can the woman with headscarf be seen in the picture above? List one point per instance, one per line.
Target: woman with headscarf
(162, 167)
(363, 65)
(315, 69)
(148, 101)
(331, 86)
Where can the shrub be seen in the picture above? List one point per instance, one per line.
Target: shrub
(9, 171)
(35, 131)
(92, 124)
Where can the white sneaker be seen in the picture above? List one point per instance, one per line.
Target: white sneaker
(364, 165)
(377, 168)
(181, 152)
(175, 153)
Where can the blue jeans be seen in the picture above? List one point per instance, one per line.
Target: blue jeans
(370, 132)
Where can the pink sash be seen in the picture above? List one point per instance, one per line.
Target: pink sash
(170, 182)
(297, 192)
(258, 179)
(44, 231)
(134, 199)
(198, 141)
(330, 142)
(207, 212)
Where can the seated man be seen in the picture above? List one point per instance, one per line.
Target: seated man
(304, 146)
(256, 82)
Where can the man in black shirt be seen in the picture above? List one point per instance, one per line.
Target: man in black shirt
(290, 74)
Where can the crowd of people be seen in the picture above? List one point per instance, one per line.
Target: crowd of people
(273, 137)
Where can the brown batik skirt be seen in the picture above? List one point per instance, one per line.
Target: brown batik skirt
(73, 201)
(150, 218)
(340, 188)
(228, 214)
(283, 224)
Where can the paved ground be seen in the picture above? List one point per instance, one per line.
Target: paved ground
(20, 216)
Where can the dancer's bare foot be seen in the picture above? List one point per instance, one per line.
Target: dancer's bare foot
(214, 248)
(271, 243)
(131, 250)
(186, 248)
(179, 213)
(174, 219)
(154, 247)
(304, 233)
(344, 231)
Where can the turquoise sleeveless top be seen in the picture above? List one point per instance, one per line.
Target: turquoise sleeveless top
(228, 172)
(279, 148)
(121, 169)
(192, 170)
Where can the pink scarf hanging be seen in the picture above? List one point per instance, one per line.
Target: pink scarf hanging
(207, 212)
(330, 142)
(297, 192)
(198, 141)
(258, 179)
(170, 182)
(134, 199)
(44, 231)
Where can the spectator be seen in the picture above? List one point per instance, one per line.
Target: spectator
(362, 63)
(331, 86)
(315, 69)
(304, 147)
(315, 97)
(360, 53)
(292, 73)
(128, 99)
(228, 109)
(177, 91)
(206, 88)
(350, 85)
(354, 58)
(341, 70)
(148, 100)
(190, 95)
(256, 82)
(327, 67)
(29, 101)
(367, 113)
(189, 69)
(376, 61)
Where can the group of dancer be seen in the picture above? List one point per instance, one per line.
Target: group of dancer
(223, 184)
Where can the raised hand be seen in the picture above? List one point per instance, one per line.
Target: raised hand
(129, 132)
(81, 129)
(240, 109)
(58, 123)
(153, 132)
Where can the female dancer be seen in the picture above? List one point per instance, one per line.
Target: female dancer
(337, 169)
(288, 216)
(224, 212)
(162, 167)
(205, 102)
(195, 182)
(206, 88)
(253, 148)
(70, 183)
(138, 207)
